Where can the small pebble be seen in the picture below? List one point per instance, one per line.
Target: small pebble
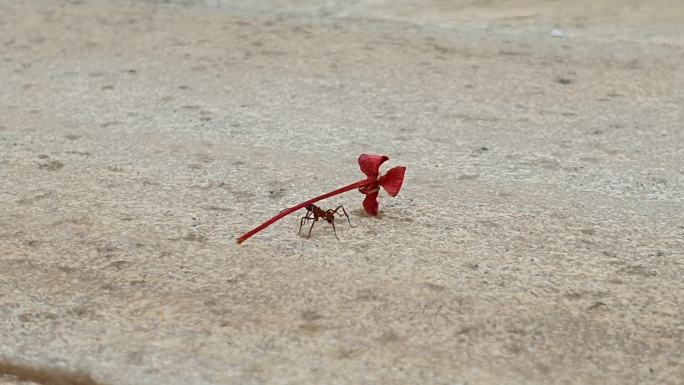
(557, 33)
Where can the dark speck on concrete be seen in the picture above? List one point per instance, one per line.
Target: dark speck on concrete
(52, 165)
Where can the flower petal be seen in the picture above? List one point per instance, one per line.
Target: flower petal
(393, 180)
(370, 203)
(370, 164)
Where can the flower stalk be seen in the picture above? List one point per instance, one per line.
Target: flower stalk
(286, 212)
(370, 165)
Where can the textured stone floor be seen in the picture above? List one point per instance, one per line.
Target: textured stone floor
(538, 239)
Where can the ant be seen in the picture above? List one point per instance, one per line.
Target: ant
(319, 213)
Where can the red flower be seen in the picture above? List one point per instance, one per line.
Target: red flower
(390, 182)
(370, 165)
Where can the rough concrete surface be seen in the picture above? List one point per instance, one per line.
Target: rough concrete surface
(538, 238)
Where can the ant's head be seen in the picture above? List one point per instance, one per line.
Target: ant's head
(309, 207)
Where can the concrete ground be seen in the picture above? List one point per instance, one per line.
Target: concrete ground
(538, 238)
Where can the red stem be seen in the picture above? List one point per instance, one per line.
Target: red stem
(292, 209)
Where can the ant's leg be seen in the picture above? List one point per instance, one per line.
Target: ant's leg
(301, 222)
(345, 214)
(334, 231)
(311, 228)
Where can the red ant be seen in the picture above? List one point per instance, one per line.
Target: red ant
(318, 213)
